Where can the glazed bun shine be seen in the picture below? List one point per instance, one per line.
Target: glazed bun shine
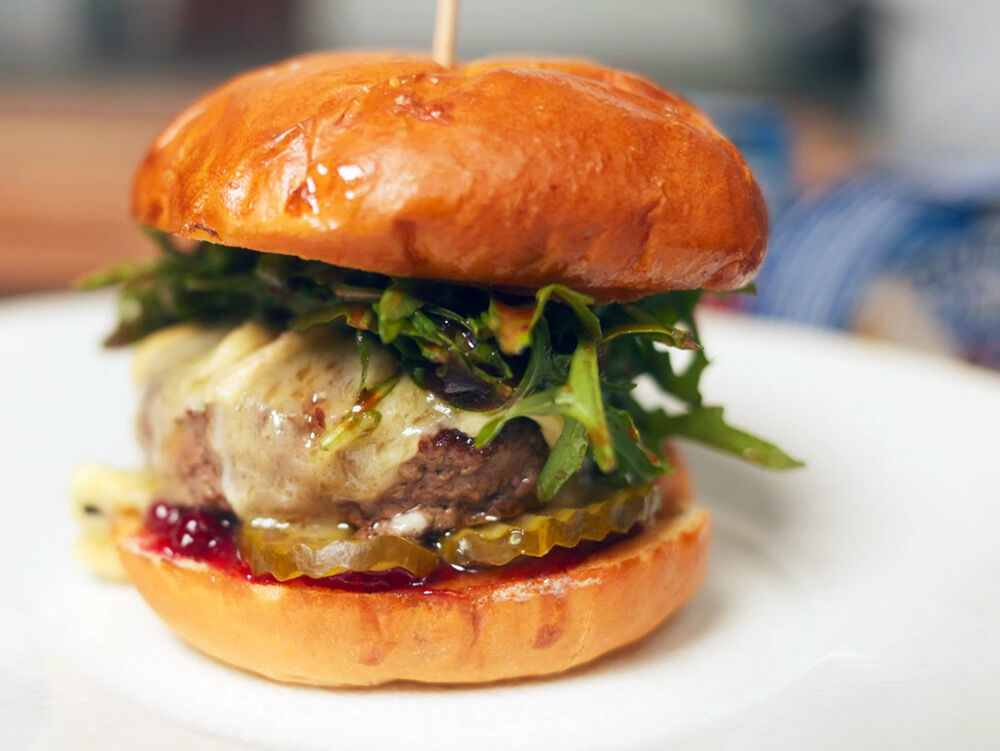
(513, 173)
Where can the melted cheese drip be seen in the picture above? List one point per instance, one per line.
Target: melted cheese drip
(264, 391)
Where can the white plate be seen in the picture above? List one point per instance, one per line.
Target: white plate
(853, 604)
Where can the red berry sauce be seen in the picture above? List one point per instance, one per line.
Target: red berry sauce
(197, 533)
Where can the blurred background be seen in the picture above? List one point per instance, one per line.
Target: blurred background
(874, 128)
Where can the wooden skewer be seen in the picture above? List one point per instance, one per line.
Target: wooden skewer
(445, 25)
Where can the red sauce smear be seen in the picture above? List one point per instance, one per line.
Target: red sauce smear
(209, 536)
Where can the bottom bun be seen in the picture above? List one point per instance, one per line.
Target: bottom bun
(470, 628)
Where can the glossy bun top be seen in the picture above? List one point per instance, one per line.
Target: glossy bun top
(516, 173)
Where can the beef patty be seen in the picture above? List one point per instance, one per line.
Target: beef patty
(454, 484)
(449, 483)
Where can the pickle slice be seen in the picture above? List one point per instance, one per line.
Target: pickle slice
(535, 534)
(288, 550)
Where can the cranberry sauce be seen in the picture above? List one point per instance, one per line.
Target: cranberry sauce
(209, 536)
(198, 533)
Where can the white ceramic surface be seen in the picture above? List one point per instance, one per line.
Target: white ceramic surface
(852, 604)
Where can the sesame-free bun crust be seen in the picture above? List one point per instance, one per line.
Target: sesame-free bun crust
(515, 173)
(471, 629)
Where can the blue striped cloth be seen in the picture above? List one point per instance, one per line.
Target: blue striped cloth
(940, 236)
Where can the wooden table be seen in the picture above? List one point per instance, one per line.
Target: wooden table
(66, 161)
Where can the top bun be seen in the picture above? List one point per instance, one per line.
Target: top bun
(515, 173)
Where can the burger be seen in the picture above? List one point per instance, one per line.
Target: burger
(387, 357)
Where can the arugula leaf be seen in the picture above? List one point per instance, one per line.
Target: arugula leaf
(706, 425)
(109, 277)
(634, 455)
(564, 460)
(580, 397)
(631, 356)
(392, 309)
(669, 335)
(539, 361)
(578, 302)
(354, 315)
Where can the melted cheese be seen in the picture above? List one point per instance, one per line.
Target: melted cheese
(270, 396)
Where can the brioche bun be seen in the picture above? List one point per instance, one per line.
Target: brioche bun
(474, 628)
(513, 173)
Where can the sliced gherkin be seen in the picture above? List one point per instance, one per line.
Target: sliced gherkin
(287, 551)
(535, 534)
